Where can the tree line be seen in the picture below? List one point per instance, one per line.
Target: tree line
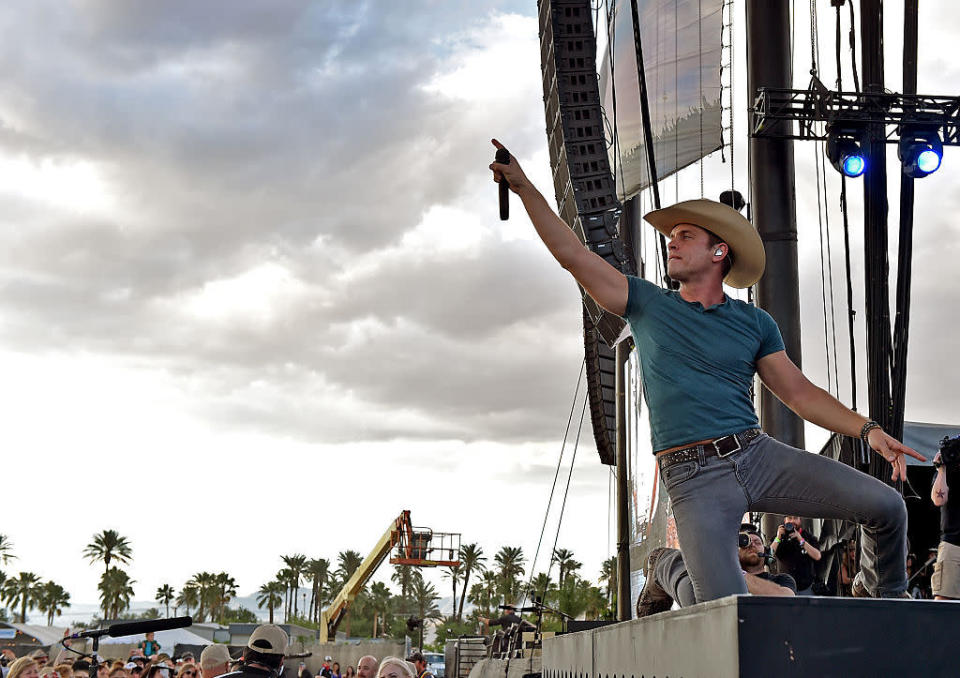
(376, 612)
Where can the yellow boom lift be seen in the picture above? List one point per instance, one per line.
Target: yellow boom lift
(406, 545)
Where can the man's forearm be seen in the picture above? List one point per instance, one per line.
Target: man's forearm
(764, 587)
(820, 408)
(555, 234)
(939, 491)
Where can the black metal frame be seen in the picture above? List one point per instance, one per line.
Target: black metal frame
(807, 107)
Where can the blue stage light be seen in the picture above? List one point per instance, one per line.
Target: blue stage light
(928, 161)
(920, 152)
(843, 150)
(853, 165)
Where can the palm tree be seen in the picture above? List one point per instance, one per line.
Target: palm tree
(347, 563)
(318, 571)
(424, 600)
(595, 601)
(270, 596)
(564, 559)
(51, 598)
(6, 549)
(189, 597)
(165, 594)
(296, 563)
(116, 591)
(107, 546)
(285, 576)
(225, 588)
(573, 596)
(380, 601)
(404, 577)
(22, 590)
(472, 560)
(608, 574)
(455, 574)
(206, 591)
(489, 585)
(509, 561)
(541, 586)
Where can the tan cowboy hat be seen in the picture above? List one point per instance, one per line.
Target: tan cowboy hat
(729, 225)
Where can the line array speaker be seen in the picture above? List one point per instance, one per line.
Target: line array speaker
(584, 186)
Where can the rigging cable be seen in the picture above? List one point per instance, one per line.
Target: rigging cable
(615, 135)
(700, 81)
(732, 69)
(853, 49)
(823, 216)
(645, 115)
(556, 475)
(823, 282)
(566, 491)
(851, 313)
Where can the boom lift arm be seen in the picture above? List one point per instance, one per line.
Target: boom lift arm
(414, 546)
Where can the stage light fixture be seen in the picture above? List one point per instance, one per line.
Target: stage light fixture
(844, 151)
(920, 152)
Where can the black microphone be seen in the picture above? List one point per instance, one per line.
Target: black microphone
(298, 655)
(148, 626)
(503, 157)
(134, 628)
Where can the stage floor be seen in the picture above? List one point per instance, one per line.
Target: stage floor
(762, 636)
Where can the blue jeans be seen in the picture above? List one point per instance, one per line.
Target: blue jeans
(709, 501)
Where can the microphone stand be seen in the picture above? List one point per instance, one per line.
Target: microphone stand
(94, 655)
(923, 567)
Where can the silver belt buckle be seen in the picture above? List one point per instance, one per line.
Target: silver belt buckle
(720, 454)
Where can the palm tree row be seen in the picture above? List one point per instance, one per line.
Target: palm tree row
(27, 590)
(324, 583)
(207, 594)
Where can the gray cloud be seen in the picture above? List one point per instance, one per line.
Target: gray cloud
(232, 136)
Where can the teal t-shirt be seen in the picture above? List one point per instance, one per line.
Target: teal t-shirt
(697, 364)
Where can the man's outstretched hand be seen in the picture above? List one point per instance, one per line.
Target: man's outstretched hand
(892, 450)
(513, 173)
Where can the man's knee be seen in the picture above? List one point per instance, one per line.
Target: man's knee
(891, 509)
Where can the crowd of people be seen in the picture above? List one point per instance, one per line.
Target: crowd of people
(784, 567)
(265, 656)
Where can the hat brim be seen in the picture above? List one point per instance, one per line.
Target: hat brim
(749, 257)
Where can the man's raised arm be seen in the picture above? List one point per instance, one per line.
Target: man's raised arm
(603, 282)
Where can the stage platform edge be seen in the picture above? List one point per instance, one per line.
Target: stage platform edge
(755, 636)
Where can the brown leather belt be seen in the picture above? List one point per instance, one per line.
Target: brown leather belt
(719, 447)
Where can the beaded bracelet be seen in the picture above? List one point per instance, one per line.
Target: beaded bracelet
(865, 431)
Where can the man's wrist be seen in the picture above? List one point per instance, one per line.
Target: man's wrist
(865, 431)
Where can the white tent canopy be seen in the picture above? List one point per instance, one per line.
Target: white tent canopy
(167, 639)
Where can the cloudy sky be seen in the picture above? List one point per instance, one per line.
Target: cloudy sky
(255, 298)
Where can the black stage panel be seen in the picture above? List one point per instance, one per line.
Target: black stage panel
(754, 636)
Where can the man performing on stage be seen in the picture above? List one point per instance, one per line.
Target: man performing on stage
(699, 351)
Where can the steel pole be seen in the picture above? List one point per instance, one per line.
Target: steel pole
(773, 208)
(623, 496)
(875, 237)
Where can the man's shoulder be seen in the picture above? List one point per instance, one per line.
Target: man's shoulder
(641, 292)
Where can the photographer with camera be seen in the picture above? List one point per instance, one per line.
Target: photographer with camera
(668, 579)
(796, 552)
(945, 581)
